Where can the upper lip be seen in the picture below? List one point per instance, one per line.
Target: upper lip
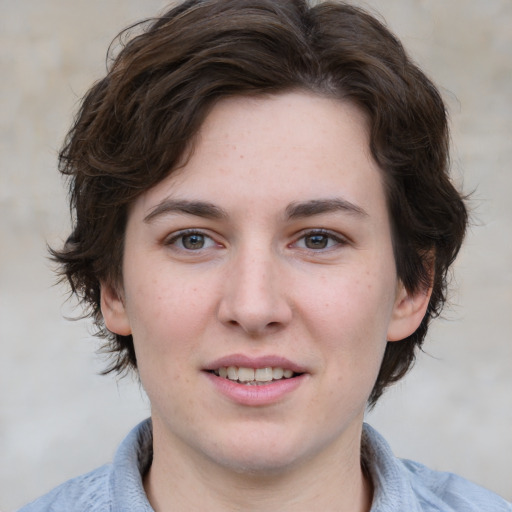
(264, 361)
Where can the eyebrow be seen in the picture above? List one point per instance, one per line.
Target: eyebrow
(293, 211)
(320, 206)
(197, 208)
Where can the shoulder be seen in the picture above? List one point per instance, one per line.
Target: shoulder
(117, 486)
(89, 492)
(438, 488)
(406, 485)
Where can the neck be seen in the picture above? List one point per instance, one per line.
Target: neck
(179, 480)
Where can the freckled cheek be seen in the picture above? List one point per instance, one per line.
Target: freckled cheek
(167, 316)
(348, 312)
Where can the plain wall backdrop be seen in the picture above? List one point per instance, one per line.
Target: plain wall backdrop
(59, 418)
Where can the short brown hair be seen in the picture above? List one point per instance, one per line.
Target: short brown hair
(137, 123)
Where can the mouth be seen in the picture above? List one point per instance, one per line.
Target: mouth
(254, 376)
(256, 381)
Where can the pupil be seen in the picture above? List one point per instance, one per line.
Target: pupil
(316, 242)
(193, 241)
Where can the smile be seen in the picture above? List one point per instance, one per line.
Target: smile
(254, 376)
(256, 381)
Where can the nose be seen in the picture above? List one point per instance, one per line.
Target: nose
(255, 298)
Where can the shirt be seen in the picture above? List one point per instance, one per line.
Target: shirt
(399, 485)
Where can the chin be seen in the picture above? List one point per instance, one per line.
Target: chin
(260, 465)
(260, 453)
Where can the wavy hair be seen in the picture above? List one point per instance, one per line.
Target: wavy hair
(136, 125)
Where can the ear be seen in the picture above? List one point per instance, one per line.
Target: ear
(114, 311)
(408, 312)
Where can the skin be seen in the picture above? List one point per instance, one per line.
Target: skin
(314, 285)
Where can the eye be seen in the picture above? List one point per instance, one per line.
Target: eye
(191, 241)
(319, 240)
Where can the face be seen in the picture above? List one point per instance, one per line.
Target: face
(260, 288)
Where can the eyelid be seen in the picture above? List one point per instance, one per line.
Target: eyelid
(176, 235)
(341, 240)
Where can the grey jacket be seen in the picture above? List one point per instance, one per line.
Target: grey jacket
(399, 485)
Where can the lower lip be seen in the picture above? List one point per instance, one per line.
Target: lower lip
(265, 394)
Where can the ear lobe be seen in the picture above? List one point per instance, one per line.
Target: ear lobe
(114, 311)
(408, 312)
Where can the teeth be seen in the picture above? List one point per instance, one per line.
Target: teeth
(277, 373)
(263, 374)
(253, 376)
(245, 374)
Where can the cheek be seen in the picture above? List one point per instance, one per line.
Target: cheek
(167, 313)
(351, 304)
(349, 322)
(166, 324)
(351, 327)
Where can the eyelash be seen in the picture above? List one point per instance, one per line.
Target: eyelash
(328, 235)
(188, 232)
(325, 234)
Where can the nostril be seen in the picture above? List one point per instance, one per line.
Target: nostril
(255, 329)
(254, 315)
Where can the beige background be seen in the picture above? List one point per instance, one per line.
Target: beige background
(58, 418)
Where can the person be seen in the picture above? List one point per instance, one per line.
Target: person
(263, 222)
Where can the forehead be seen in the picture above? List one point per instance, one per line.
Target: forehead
(282, 148)
(304, 122)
